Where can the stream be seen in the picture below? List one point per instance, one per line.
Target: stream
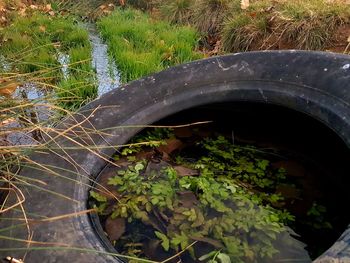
(106, 69)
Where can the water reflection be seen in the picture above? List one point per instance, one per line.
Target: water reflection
(106, 70)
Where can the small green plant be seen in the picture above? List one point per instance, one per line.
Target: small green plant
(181, 210)
(224, 208)
(240, 163)
(317, 218)
(151, 138)
(216, 257)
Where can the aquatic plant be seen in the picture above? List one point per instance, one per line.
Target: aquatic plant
(221, 200)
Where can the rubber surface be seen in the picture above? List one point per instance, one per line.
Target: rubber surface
(315, 83)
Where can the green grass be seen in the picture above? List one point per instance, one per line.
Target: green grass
(241, 32)
(309, 25)
(80, 86)
(142, 46)
(178, 11)
(208, 15)
(74, 92)
(265, 24)
(31, 45)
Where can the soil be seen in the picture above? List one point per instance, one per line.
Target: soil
(342, 40)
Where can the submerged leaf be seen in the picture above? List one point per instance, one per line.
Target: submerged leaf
(165, 240)
(139, 167)
(98, 197)
(184, 171)
(8, 88)
(187, 198)
(207, 256)
(116, 180)
(115, 228)
(224, 258)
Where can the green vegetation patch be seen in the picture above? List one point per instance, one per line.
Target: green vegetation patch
(142, 46)
(31, 47)
(261, 24)
(208, 197)
(309, 25)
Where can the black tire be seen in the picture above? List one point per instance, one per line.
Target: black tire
(313, 83)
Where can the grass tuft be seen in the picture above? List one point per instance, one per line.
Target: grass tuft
(296, 24)
(208, 16)
(178, 11)
(241, 32)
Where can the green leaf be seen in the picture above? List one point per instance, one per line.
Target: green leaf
(101, 208)
(231, 188)
(116, 180)
(224, 258)
(209, 255)
(139, 167)
(165, 240)
(148, 207)
(98, 197)
(154, 200)
(131, 158)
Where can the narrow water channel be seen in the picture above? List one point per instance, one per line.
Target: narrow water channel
(106, 70)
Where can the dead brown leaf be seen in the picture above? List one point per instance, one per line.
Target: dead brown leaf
(293, 168)
(115, 228)
(184, 171)
(22, 12)
(48, 8)
(187, 199)
(288, 191)
(8, 88)
(7, 122)
(42, 28)
(171, 145)
(183, 132)
(14, 260)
